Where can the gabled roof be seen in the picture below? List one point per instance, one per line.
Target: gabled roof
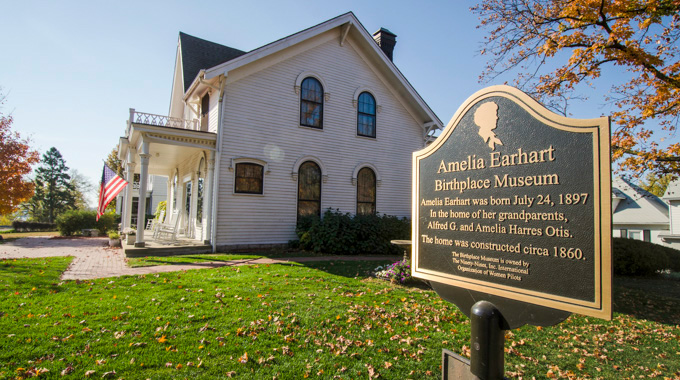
(637, 206)
(351, 25)
(198, 54)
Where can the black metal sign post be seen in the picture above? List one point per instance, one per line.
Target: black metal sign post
(512, 219)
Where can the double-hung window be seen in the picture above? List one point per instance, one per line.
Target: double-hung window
(249, 178)
(309, 190)
(366, 115)
(311, 103)
(366, 192)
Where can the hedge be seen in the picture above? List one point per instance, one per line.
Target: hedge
(337, 233)
(74, 221)
(20, 226)
(639, 258)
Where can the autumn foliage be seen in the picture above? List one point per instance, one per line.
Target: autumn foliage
(554, 45)
(16, 158)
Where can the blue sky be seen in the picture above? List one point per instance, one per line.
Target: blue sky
(72, 69)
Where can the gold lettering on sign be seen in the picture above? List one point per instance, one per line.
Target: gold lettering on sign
(522, 158)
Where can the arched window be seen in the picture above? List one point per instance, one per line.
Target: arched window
(249, 178)
(199, 191)
(366, 115)
(366, 192)
(311, 103)
(309, 189)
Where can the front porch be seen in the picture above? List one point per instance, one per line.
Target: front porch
(184, 152)
(154, 247)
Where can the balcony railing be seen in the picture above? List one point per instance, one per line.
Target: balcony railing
(149, 184)
(162, 121)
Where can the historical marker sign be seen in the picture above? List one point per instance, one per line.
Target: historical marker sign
(514, 201)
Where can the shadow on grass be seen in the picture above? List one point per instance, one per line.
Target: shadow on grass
(56, 241)
(360, 269)
(201, 261)
(655, 298)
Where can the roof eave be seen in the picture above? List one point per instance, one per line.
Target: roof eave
(298, 37)
(194, 85)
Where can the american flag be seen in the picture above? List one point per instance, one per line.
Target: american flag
(111, 185)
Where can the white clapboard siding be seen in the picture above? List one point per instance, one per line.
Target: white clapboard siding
(261, 120)
(214, 111)
(674, 213)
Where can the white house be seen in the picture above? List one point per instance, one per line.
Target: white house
(253, 140)
(672, 197)
(637, 214)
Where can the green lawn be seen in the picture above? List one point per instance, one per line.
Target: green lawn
(16, 235)
(322, 320)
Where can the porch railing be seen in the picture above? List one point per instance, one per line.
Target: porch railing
(162, 121)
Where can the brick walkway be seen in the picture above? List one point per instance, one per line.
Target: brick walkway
(94, 259)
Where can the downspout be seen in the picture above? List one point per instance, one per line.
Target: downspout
(218, 158)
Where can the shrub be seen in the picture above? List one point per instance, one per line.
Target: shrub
(338, 233)
(21, 226)
(107, 222)
(114, 234)
(673, 258)
(73, 221)
(399, 272)
(639, 258)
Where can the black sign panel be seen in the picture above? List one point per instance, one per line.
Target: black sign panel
(514, 201)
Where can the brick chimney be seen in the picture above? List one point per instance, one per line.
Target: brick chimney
(386, 40)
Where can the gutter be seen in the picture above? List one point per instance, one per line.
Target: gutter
(218, 155)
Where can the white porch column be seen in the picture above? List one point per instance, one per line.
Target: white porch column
(208, 197)
(143, 180)
(168, 198)
(129, 177)
(191, 217)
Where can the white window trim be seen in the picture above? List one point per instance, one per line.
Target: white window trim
(638, 231)
(307, 74)
(303, 159)
(248, 160)
(355, 98)
(355, 174)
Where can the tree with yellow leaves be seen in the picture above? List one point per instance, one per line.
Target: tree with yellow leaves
(16, 158)
(555, 45)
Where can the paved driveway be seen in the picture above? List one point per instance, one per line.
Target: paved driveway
(92, 256)
(94, 259)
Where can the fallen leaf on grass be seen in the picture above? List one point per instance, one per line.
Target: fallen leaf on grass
(244, 358)
(67, 370)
